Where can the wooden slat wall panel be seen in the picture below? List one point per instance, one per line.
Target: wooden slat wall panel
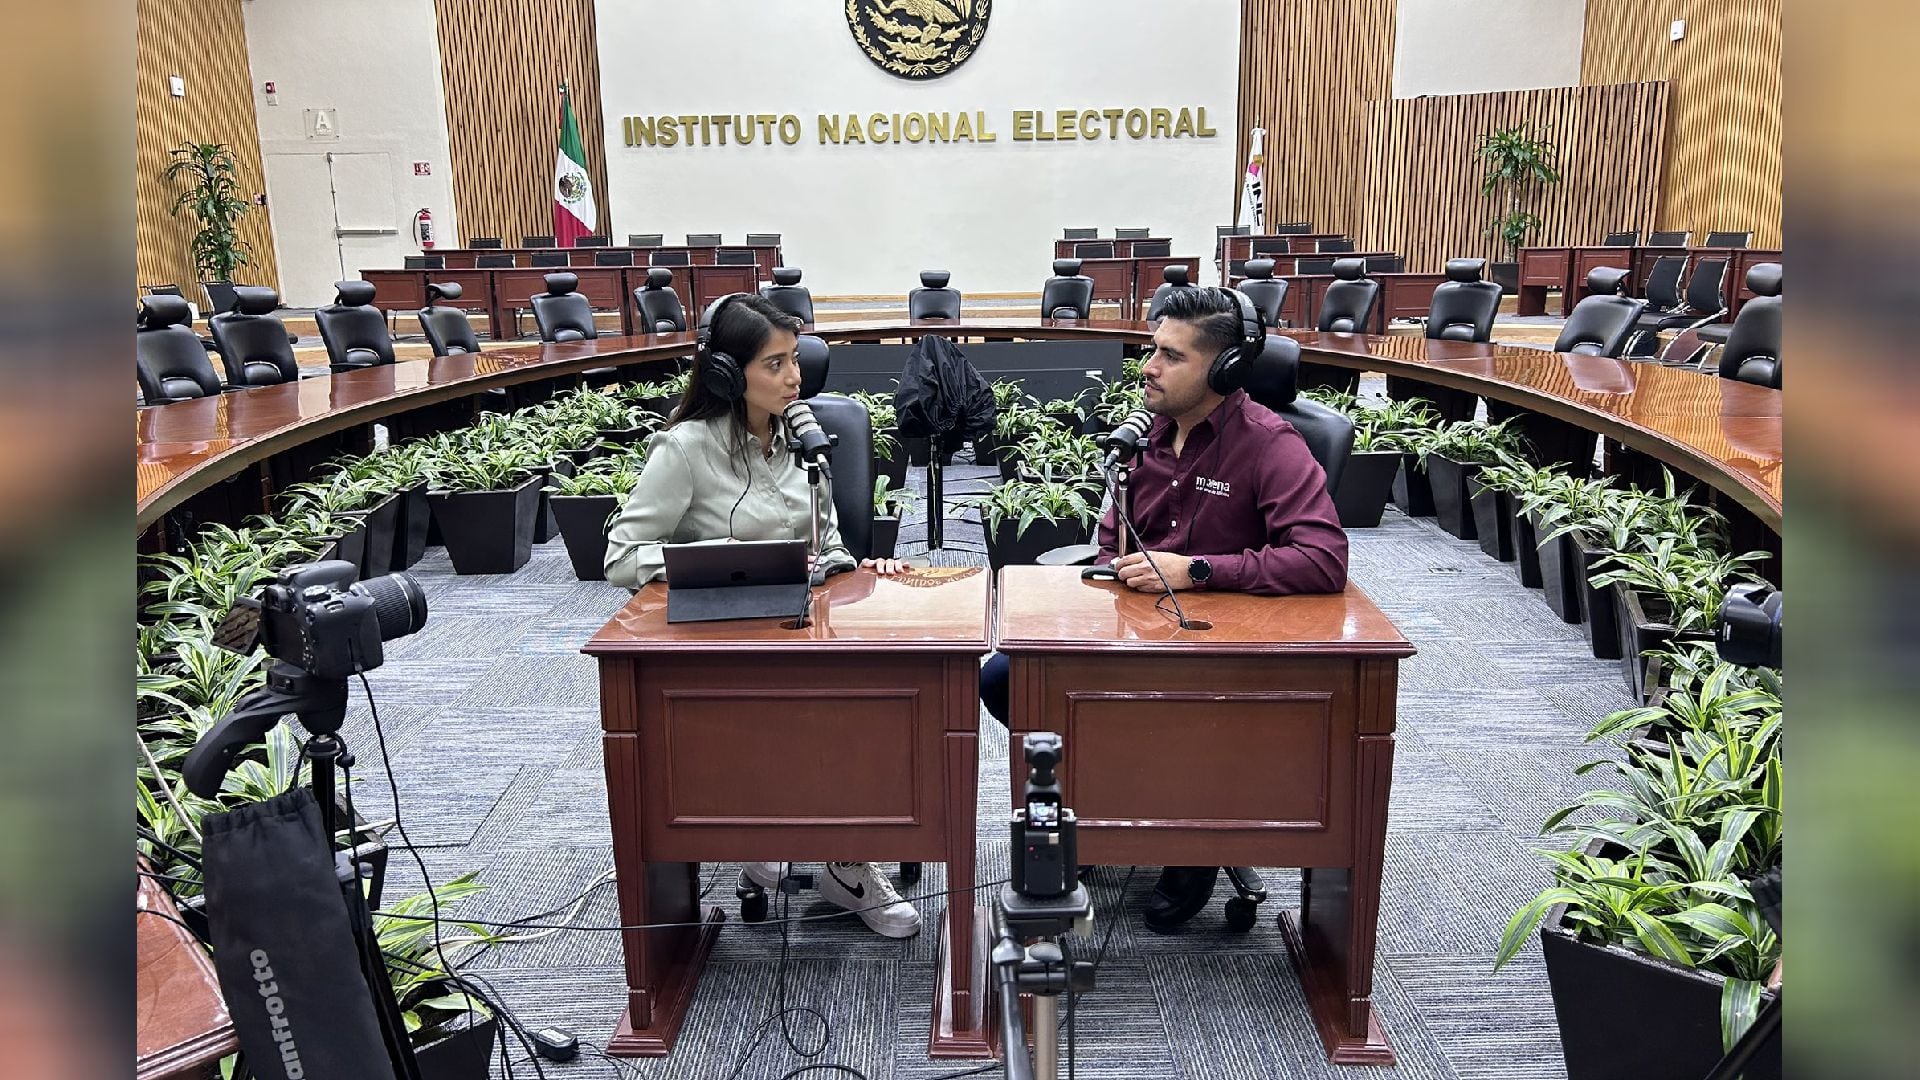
(205, 43)
(1419, 193)
(502, 62)
(1723, 158)
(1307, 70)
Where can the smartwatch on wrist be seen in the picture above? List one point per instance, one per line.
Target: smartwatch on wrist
(1200, 570)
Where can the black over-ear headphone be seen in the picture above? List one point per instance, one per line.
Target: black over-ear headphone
(1229, 370)
(720, 375)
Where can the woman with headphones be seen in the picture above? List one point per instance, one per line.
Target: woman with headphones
(721, 471)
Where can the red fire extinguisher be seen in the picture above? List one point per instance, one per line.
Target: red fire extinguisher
(423, 228)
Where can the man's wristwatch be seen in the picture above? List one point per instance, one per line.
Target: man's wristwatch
(1199, 569)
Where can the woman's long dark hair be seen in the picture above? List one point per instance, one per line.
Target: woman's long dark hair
(740, 330)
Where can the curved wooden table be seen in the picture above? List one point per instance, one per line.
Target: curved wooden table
(1724, 433)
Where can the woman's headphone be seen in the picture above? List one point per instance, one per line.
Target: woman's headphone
(1229, 370)
(720, 374)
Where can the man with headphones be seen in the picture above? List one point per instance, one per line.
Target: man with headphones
(1224, 495)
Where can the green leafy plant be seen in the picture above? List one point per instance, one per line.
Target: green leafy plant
(604, 476)
(889, 501)
(1692, 583)
(1008, 393)
(1027, 501)
(213, 198)
(1394, 425)
(405, 934)
(485, 470)
(1469, 442)
(1117, 398)
(1518, 161)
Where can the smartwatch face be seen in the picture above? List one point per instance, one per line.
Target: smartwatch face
(1200, 570)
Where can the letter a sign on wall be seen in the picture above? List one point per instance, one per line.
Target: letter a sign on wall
(918, 39)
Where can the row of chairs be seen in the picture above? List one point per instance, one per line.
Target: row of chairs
(1603, 323)
(1291, 228)
(1118, 234)
(1104, 249)
(558, 257)
(639, 240)
(1679, 238)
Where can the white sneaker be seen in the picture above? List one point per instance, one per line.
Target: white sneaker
(862, 888)
(767, 875)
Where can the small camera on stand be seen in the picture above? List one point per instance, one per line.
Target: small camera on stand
(1749, 630)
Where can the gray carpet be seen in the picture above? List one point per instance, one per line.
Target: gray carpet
(490, 715)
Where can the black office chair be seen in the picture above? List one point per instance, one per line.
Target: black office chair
(671, 258)
(593, 240)
(1274, 381)
(1347, 305)
(813, 359)
(1763, 279)
(1335, 246)
(423, 262)
(536, 241)
(1662, 294)
(763, 239)
(1319, 264)
(734, 257)
(1154, 249)
(547, 258)
(494, 262)
(253, 341)
(1464, 305)
(1601, 322)
(1099, 250)
(1292, 228)
(1132, 234)
(1752, 353)
(660, 308)
(620, 257)
(1080, 234)
(160, 290)
(1268, 248)
(1669, 239)
(1171, 278)
(1705, 303)
(787, 294)
(705, 239)
(484, 242)
(221, 296)
(1621, 239)
(847, 421)
(170, 360)
(1728, 239)
(1067, 294)
(355, 332)
(447, 328)
(1267, 292)
(646, 240)
(1231, 230)
(561, 312)
(933, 299)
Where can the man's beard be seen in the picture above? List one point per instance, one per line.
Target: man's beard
(1169, 406)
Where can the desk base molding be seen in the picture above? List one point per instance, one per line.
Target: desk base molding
(975, 1035)
(1333, 1011)
(672, 998)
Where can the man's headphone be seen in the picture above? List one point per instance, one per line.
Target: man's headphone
(720, 374)
(1229, 370)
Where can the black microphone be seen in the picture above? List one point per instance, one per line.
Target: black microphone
(805, 430)
(1124, 441)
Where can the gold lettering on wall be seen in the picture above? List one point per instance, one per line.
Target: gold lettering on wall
(841, 129)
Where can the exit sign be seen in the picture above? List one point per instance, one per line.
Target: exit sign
(422, 168)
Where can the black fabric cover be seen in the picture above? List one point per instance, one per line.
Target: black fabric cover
(942, 395)
(283, 947)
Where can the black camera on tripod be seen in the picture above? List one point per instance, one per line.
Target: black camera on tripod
(1749, 630)
(320, 619)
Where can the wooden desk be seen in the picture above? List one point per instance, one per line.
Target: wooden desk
(877, 702)
(495, 293)
(1289, 265)
(1542, 268)
(1150, 272)
(1122, 249)
(1230, 249)
(1265, 741)
(765, 256)
(1112, 280)
(181, 1022)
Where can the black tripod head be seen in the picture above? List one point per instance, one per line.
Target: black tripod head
(319, 704)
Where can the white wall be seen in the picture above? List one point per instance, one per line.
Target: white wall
(1480, 46)
(865, 219)
(377, 62)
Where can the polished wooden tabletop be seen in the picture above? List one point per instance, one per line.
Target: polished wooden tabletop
(1725, 433)
(1049, 608)
(181, 1022)
(934, 608)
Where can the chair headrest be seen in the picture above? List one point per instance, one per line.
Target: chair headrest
(255, 300)
(1465, 269)
(445, 290)
(1274, 378)
(1175, 274)
(937, 279)
(353, 293)
(562, 283)
(161, 311)
(812, 355)
(1606, 280)
(1259, 268)
(1066, 268)
(1349, 269)
(786, 275)
(1764, 278)
(659, 277)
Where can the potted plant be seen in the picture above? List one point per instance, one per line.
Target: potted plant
(1563, 498)
(584, 505)
(889, 459)
(1406, 422)
(1012, 426)
(452, 1031)
(1449, 455)
(213, 198)
(486, 502)
(1023, 519)
(1054, 454)
(890, 506)
(1670, 593)
(1518, 160)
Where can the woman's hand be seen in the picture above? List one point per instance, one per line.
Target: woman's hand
(884, 567)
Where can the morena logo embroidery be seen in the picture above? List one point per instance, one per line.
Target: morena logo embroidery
(1213, 487)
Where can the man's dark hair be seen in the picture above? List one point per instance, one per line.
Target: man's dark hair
(1212, 313)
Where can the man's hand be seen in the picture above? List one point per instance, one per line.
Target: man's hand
(1136, 574)
(884, 567)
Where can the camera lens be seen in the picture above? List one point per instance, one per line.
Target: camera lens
(399, 604)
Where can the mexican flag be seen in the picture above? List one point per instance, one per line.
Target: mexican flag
(1253, 206)
(574, 214)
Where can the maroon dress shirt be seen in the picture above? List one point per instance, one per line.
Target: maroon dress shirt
(1246, 493)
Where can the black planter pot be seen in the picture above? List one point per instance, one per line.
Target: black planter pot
(1009, 462)
(1644, 626)
(545, 527)
(488, 532)
(916, 451)
(1006, 549)
(894, 468)
(353, 542)
(382, 523)
(884, 538)
(1596, 605)
(1365, 486)
(1448, 479)
(1525, 549)
(623, 436)
(464, 1054)
(660, 406)
(1560, 576)
(1411, 491)
(583, 528)
(1492, 519)
(1624, 1015)
(410, 531)
(1506, 275)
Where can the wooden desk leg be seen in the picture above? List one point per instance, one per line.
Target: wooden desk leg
(1532, 300)
(663, 966)
(1332, 939)
(961, 1025)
